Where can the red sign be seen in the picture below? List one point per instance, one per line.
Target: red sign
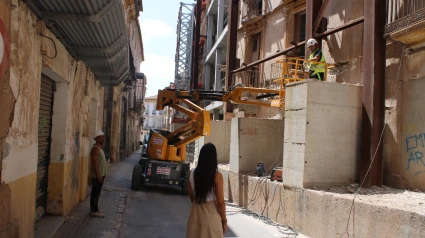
(4, 49)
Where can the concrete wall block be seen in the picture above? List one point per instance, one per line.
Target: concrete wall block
(346, 95)
(295, 126)
(220, 137)
(260, 140)
(236, 188)
(324, 214)
(256, 194)
(224, 170)
(274, 203)
(234, 145)
(325, 119)
(296, 96)
(287, 206)
(311, 134)
(293, 164)
(329, 166)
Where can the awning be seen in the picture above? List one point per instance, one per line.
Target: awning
(93, 31)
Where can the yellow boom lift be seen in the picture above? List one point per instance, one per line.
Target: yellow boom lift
(165, 160)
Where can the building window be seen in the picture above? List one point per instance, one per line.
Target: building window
(255, 47)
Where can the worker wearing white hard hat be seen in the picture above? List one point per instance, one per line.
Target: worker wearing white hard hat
(98, 133)
(97, 172)
(317, 71)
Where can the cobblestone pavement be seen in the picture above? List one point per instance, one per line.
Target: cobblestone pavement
(151, 212)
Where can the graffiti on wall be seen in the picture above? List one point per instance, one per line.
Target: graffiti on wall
(415, 146)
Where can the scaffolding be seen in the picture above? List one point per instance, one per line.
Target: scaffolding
(183, 60)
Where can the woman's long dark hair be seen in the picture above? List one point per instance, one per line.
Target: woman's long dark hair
(204, 175)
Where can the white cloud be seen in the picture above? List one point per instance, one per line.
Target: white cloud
(154, 29)
(159, 71)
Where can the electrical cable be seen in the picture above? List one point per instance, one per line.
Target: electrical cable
(286, 230)
(380, 139)
(54, 45)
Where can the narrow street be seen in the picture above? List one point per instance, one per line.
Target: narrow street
(152, 212)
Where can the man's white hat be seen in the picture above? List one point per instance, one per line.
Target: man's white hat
(98, 133)
(311, 42)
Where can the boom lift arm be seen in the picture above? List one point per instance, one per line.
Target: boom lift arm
(172, 146)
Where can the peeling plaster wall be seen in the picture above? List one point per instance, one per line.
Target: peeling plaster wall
(404, 138)
(20, 98)
(116, 123)
(20, 144)
(18, 132)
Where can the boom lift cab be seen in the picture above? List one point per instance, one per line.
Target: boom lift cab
(156, 168)
(165, 160)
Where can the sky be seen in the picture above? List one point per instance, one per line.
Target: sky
(158, 24)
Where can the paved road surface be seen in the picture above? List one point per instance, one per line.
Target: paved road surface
(151, 212)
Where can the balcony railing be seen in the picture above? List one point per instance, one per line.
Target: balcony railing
(251, 10)
(250, 15)
(137, 105)
(402, 14)
(249, 78)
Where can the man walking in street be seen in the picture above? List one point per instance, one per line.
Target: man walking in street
(317, 71)
(97, 173)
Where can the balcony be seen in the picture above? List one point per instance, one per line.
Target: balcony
(249, 78)
(406, 21)
(252, 12)
(136, 106)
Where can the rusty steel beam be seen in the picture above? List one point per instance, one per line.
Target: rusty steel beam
(319, 16)
(301, 44)
(196, 42)
(232, 37)
(340, 28)
(373, 94)
(284, 52)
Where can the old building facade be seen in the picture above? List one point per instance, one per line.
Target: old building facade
(53, 99)
(267, 31)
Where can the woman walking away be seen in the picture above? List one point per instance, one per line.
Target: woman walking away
(208, 213)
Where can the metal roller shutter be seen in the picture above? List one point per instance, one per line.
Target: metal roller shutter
(44, 131)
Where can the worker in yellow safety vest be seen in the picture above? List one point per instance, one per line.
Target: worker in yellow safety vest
(317, 71)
